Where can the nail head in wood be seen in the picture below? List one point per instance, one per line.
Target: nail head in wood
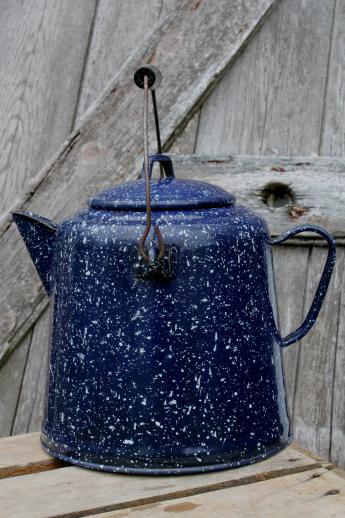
(153, 74)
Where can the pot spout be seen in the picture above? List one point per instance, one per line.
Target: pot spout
(39, 237)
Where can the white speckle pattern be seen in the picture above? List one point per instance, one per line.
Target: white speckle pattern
(173, 375)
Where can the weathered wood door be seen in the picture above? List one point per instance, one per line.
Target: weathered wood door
(282, 95)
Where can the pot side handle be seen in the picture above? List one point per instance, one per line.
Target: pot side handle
(314, 310)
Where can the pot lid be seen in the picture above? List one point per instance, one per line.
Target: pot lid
(169, 193)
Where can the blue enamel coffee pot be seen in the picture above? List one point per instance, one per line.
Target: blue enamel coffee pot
(165, 352)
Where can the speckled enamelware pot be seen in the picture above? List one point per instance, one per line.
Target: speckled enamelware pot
(169, 367)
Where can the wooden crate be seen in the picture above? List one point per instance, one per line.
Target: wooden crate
(291, 483)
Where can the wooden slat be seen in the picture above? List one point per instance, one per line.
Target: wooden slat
(338, 404)
(72, 492)
(36, 415)
(33, 385)
(10, 385)
(314, 388)
(104, 148)
(43, 46)
(315, 493)
(118, 27)
(290, 269)
(248, 176)
(333, 135)
(271, 100)
(23, 454)
(324, 463)
(184, 144)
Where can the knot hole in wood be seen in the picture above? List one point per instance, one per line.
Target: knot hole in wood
(277, 194)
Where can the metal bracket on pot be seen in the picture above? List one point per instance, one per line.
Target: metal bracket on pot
(160, 269)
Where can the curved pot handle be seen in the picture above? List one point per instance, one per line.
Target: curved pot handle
(313, 312)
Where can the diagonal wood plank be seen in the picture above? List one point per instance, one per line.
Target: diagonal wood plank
(118, 27)
(43, 46)
(271, 100)
(314, 493)
(33, 384)
(104, 148)
(72, 492)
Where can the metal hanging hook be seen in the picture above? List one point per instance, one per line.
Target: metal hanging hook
(146, 77)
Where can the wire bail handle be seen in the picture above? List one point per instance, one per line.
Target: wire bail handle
(148, 78)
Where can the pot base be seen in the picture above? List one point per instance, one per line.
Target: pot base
(185, 470)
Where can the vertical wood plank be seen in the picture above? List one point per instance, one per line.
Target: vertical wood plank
(118, 29)
(314, 392)
(43, 47)
(39, 402)
(33, 385)
(184, 144)
(338, 407)
(271, 100)
(333, 131)
(290, 268)
(10, 385)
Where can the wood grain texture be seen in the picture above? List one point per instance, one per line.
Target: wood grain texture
(333, 128)
(72, 492)
(318, 492)
(290, 269)
(119, 27)
(36, 415)
(337, 450)
(33, 384)
(178, 44)
(10, 385)
(247, 177)
(24, 454)
(43, 45)
(324, 463)
(185, 143)
(316, 361)
(271, 100)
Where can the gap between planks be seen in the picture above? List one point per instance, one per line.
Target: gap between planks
(24, 454)
(316, 493)
(82, 492)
